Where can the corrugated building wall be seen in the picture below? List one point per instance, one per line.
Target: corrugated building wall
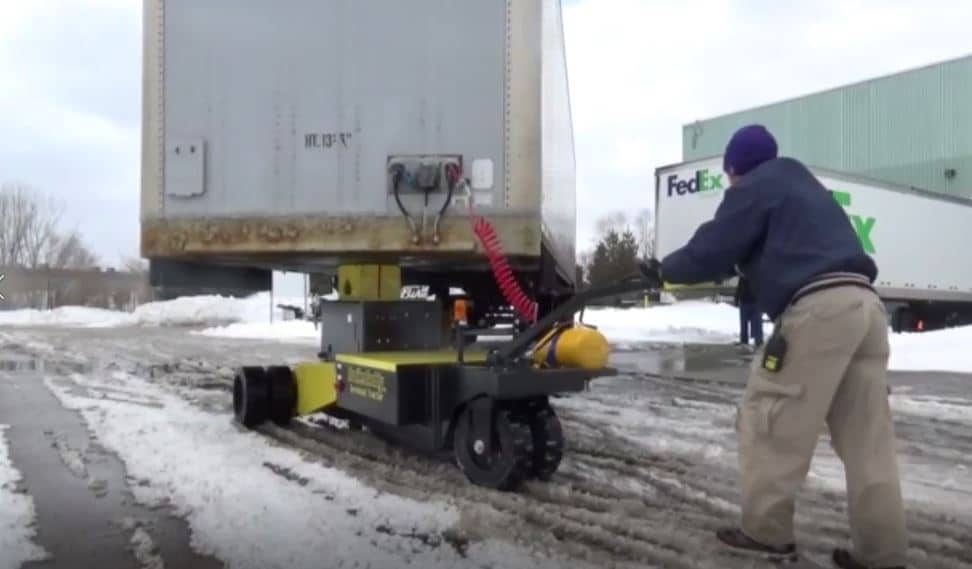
(912, 128)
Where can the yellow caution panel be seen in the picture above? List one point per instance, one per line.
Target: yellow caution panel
(316, 388)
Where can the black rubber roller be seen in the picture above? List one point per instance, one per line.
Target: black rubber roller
(283, 394)
(251, 396)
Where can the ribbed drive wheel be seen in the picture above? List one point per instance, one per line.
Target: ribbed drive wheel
(283, 394)
(251, 396)
(508, 463)
(548, 440)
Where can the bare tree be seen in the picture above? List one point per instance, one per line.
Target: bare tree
(644, 228)
(616, 221)
(17, 212)
(135, 265)
(41, 232)
(70, 252)
(30, 232)
(583, 261)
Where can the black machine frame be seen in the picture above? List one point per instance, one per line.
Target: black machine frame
(494, 414)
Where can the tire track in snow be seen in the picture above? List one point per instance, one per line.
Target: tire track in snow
(540, 524)
(594, 443)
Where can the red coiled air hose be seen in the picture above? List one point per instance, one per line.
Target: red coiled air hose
(502, 272)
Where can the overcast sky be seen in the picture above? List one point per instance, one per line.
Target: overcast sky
(70, 84)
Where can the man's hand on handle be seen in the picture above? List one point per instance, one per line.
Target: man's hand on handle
(651, 272)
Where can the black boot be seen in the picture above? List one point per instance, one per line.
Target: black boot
(844, 560)
(734, 537)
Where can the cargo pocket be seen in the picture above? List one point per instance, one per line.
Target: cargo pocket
(760, 411)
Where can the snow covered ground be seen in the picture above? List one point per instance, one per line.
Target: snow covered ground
(256, 505)
(649, 474)
(17, 515)
(690, 322)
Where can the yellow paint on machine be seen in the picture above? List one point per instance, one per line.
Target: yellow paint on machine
(369, 282)
(700, 286)
(389, 361)
(575, 347)
(316, 388)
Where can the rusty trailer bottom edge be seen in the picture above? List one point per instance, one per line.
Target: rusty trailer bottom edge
(328, 241)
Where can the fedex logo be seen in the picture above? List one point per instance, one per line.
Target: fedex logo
(703, 181)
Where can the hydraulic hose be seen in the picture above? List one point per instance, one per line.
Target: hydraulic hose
(397, 172)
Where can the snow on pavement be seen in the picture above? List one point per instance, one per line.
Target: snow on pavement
(698, 322)
(252, 504)
(676, 418)
(17, 515)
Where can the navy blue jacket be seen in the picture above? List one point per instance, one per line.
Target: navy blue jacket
(783, 229)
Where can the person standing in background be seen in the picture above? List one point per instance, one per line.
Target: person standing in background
(750, 317)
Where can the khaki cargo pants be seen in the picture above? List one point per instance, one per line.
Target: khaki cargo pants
(835, 371)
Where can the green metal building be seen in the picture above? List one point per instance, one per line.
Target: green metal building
(912, 128)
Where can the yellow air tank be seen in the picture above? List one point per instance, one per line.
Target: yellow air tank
(576, 346)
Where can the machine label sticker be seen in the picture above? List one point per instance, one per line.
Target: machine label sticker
(327, 140)
(863, 226)
(702, 183)
(366, 383)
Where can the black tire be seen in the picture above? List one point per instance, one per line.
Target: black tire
(548, 441)
(283, 395)
(251, 396)
(508, 464)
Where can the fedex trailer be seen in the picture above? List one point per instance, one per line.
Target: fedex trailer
(916, 237)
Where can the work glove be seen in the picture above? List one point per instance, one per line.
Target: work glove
(651, 272)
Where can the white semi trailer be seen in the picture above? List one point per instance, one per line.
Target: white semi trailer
(918, 238)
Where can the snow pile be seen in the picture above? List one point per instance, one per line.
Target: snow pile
(941, 350)
(64, 316)
(17, 516)
(683, 322)
(184, 311)
(212, 309)
(292, 330)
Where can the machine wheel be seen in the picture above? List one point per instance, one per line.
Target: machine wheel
(548, 440)
(283, 394)
(508, 463)
(251, 396)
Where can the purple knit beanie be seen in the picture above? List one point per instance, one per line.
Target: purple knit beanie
(749, 147)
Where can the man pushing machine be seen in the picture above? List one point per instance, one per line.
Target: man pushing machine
(825, 361)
